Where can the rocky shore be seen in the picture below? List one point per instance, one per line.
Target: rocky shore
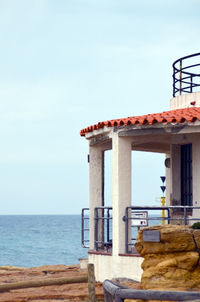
(53, 293)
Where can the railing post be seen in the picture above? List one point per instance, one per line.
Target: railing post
(108, 225)
(174, 82)
(168, 216)
(101, 236)
(180, 78)
(82, 226)
(191, 79)
(126, 229)
(96, 229)
(185, 215)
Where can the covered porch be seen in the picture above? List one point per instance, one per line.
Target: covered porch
(176, 134)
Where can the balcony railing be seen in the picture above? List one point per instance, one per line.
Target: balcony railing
(186, 74)
(103, 228)
(134, 218)
(85, 227)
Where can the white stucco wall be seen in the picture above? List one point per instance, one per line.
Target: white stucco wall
(108, 267)
(185, 100)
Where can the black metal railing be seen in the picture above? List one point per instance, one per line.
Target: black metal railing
(140, 216)
(103, 228)
(118, 293)
(85, 227)
(186, 74)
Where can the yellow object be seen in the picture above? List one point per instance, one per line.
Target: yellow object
(163, 211)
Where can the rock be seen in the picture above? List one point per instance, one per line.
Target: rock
(174, 238)
(66, 292)
(174, 262)
(196, 234)
(187, 260)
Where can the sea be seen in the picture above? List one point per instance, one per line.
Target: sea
(35, 240)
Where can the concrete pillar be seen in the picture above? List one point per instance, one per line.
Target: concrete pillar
(96, 186)
(121, 189)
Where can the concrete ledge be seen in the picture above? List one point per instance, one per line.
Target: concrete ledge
(185, 101)
(129, 255)
(92, 252)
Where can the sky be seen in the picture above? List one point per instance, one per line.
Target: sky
(67, 64)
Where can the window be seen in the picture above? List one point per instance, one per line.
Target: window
(186, 175)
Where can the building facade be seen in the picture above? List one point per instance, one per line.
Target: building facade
(175, 133)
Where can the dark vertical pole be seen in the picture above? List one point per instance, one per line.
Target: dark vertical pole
(108, 225)
(126, 229)
(96, 228)
(82, 227)
(169, 217)
(180, 78)
(185, 216)
(191, 78)
(174, 83)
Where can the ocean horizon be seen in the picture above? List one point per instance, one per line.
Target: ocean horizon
(35, 240)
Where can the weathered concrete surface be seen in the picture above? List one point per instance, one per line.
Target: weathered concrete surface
(172, 263)
(53, 293)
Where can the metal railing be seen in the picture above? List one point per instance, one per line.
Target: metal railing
(186, 78)
(118, 293)
(103, 228)
(135, 217)
(85, 227)
(173, 214)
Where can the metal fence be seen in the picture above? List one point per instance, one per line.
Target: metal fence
(186, 74)
(118, 293)
(85, 227)
(103, 228)
(134, 219)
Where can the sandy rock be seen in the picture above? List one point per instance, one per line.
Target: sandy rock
(174, 262)
(187, 260)
(68, 292)
(196, 234)
(174, 238)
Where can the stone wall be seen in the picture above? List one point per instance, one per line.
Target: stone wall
(173, 263)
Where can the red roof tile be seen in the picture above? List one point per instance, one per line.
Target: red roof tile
(177, 116)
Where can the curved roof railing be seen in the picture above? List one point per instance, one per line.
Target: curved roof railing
(186, 78)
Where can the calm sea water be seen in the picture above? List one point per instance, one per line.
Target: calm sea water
(36, 240)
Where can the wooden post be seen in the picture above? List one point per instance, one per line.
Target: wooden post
(91, 283)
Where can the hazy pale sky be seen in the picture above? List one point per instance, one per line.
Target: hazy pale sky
(67, 64)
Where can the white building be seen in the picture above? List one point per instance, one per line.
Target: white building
(175, 133)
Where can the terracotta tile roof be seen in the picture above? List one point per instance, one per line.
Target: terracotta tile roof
(177, 116)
